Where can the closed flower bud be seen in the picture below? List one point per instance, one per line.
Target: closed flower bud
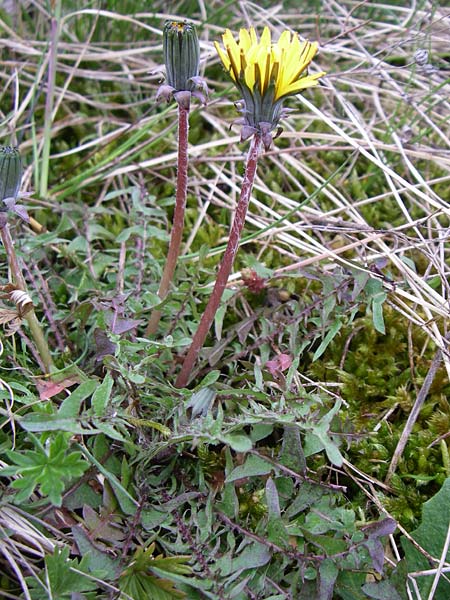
(182, 61)
(181, 55)
(10, 175)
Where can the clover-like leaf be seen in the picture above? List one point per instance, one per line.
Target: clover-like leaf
(63, 577)
(139, 581)
(47, 468)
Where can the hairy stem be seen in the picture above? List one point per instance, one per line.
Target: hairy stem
(16, 273)
(178, 215)
(225, 266)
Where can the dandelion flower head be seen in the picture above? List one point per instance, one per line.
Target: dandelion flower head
(266, 72)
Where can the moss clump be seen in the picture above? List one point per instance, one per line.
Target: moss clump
(380, 390)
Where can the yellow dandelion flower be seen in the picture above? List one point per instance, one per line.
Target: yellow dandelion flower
(266, 72)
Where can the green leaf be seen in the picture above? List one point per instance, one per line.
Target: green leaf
(237, 441)
(323, 440)
(252, 556)
(381, 590)
(218, 321)
(328, 573)
(125, 234)
(276, 529)
(127, 503)
(109, 430)
(260, 431)
(309, 494)
(333, 453)
(201, 401)
(330, 545)
(377, 312)
(272, 498)
(333, 331)
(98, 560)
(38, 423)
(253, 466)
(313, 444)
(101, 396)
(348, 585)
(319, 440)
(152, 518)
(70, 407)
(431, 535)
(48, 470)
(373, 287)
(209, 379)
(291, 454)
(138, 581)
(142, 586)
(62, 578)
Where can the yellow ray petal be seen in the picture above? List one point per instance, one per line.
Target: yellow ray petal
(303, 83)
(265, 38)
(284, 40)
(259, 64)
(253, 36)
(231, 46)
(245, 41)
(222, 55)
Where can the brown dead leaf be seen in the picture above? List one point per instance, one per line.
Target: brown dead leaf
(11, 319)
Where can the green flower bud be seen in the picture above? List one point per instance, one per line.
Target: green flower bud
(181, 55)
(10, 174)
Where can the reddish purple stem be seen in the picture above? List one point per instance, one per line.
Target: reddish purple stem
(225, 266)
(178, 215)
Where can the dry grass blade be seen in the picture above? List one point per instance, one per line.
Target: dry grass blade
(23, 545)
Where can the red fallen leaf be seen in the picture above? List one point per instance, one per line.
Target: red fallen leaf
(48, 388)
(280, 363)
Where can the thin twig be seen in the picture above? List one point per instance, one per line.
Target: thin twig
(440, 569)
(421, 397)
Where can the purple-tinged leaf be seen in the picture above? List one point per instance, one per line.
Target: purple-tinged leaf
(328, 573)
(376, 551)
(383, 527)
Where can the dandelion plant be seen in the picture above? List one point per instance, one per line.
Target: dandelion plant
(265, 73)
(182, 60)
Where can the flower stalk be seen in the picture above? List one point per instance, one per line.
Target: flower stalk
(10, 177)
(182, 59)
(265, 73)
(226, 265)
(176, 236)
